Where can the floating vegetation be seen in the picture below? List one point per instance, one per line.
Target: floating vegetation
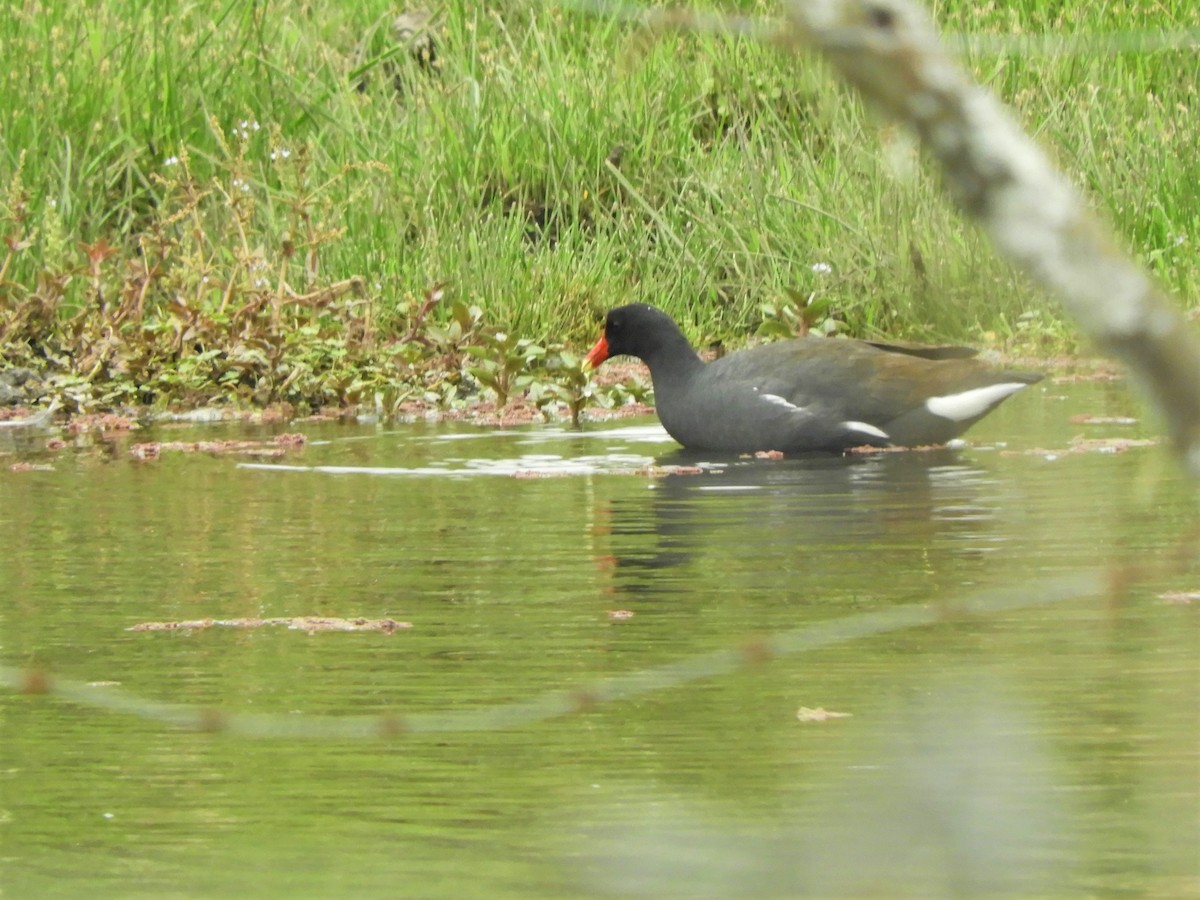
(275, 447)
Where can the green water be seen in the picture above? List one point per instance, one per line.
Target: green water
(1042, 750)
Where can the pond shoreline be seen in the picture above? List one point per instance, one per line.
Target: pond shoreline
(480, 410)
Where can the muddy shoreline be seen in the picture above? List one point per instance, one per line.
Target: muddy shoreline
(55, 424)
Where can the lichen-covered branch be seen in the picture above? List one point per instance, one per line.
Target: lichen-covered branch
(889, 50)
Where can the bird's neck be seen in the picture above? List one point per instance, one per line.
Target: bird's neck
(673, 364)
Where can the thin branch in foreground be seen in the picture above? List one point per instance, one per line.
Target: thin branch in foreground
(889, 50)
(555, 704)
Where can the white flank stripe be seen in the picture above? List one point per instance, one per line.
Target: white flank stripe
(780, 401)
(972, 403)
(864, 428)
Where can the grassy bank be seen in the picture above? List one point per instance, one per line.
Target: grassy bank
(256, 202)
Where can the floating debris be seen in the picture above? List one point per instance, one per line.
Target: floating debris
(1086, 445)
(100, 422)
(272, 449)
(818, 714)
(311, 624)
(871, 449)
(1087, 419)
(663, 471)
(1180, 598)
(30, 467)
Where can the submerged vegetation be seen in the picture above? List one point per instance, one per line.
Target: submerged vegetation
(322, 205)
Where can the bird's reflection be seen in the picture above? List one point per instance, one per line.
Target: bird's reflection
(790, 515)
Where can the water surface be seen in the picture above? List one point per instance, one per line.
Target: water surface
(1047, 748)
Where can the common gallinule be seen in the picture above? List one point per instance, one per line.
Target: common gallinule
(810, 393)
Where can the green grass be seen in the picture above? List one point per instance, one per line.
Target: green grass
(548, 166)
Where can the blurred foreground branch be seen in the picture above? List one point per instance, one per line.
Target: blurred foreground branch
(890, 51)
(585, 698)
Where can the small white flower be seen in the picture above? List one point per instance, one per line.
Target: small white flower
(171, 161)
(261, 282)
(822, 268)
(242, 129)
(52, 202)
